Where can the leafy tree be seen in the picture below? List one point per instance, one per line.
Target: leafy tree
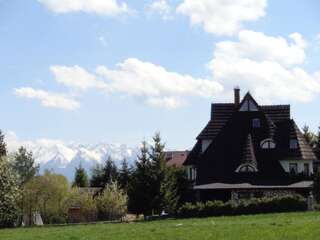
(112, 202)
(46, 194)
(124, 174)
(140, 186)
(158, 167)
(80, 178)
(9, 195)
(309, 136)
(24, 165)
(3, 146)
(175, 189)
(86, 203)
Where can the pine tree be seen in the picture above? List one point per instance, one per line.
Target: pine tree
(80, 177)
(110, 172)
(140, 186)
(309, 136)
(9, 195)
(158, 166)
(124, 174)
(3, 146)
(24, 165)
(97, 176)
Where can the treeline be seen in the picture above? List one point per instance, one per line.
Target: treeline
(151, 186)
(147, 187)
(313, 139)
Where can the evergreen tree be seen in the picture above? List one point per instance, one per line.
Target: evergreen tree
(24, 165)
(124, 174)
(110, 172)
(309, 136)
(175, 189)
(80, 177)
(157, 157)
(140, 185)
(3, 146)
(97, 176)
(9, 195)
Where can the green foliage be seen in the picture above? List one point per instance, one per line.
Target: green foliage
(9, 194)
(3, 146)
(140, 185)
(80, 177)
(24, 165)
(112, 203)
(174, 188)
(45, 194)
(86, 203)
(288, 203)
(310, 137)
(124, 174)
(103, 175)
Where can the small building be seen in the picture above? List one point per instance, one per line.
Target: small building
(176, 158)
(250, 150)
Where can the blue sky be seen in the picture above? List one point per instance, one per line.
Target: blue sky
(117, 71)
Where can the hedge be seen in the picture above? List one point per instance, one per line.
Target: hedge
(290, 203)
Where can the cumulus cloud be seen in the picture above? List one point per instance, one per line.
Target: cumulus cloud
(100, 7)
(268, 66)
(160, 7)
(48, 99)
(222, 17)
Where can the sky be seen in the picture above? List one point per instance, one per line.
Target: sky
(117, 71)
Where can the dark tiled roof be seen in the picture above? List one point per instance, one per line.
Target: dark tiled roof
(220, 114)
(248, 155)
(277, 112)
(304, 150)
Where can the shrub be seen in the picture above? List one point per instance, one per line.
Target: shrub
(57, 220)
(112, 203)
(252, 206)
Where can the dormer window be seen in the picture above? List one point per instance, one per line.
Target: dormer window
(246, 168)
(256, 123)
(293, 143)
(268, 144)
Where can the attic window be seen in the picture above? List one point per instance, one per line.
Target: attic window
(293, 143)
(246, 168)
(268, 144)
(256, 123)
(248, 106)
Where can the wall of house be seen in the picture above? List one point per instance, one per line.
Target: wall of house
(285, 164)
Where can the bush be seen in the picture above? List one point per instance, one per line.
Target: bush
(57, 220)
(290, 203)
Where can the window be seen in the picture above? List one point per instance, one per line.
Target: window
(247, 167)
(192, 173)
(293, 168)
(205, 144)
(306, 169)
(267, 144)
(256, 123)
(293, 143)
(248, 106)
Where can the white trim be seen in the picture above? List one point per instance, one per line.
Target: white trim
(286, 163)
(247, 165)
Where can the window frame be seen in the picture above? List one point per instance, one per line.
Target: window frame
(271, 144)
(295, 172)
(293, 143)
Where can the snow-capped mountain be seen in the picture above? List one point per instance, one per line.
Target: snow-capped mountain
(64, 157)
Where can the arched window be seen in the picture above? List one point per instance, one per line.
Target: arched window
(246, 168)
(268, 144)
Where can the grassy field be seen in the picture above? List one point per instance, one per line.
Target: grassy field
(270, 226)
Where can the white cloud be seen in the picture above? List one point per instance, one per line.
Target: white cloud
(76, 77)
(48, 99)
(222, 17)
(318, 38)
(160, 7)
(152, 83)
(268, 66)
(100, 7)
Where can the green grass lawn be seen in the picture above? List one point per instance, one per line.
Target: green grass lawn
(300, 226)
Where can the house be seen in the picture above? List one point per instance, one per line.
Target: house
(250, 150)
(176, 158)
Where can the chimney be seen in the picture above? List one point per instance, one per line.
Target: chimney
(236, 96)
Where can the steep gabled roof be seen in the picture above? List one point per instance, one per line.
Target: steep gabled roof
(248, 155)
(220, 114)
(304, 150)
(277, 112)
